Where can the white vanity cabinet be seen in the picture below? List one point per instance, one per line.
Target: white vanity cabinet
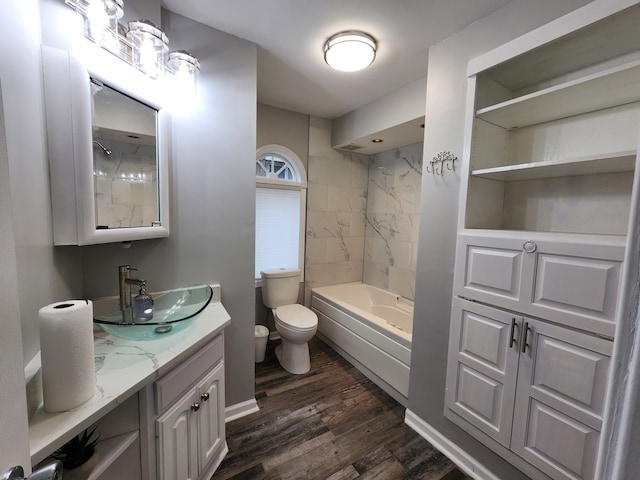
(185, 409)
(532, 387)
(191, 433)
(548, 177)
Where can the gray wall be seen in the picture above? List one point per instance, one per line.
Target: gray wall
(445, 104)
(212, 187)
(44, 274)
(393, 109)
(14, 437)
(284, 127)
(212, 191)
(289, 129)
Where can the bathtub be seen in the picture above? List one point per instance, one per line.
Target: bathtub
(371, 328)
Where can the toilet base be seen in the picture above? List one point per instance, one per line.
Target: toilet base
(294, 357)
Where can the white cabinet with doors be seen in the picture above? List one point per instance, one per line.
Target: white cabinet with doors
(548, 178)
(535, 388)
(191, 433)
(185, 409)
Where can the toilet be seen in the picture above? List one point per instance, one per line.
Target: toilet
(295, 323)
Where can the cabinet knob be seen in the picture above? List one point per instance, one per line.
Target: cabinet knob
(205, 396)
(529, 246)
(195, 406)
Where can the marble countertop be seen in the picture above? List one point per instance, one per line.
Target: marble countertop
(123, 367)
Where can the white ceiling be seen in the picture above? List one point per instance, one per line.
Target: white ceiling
(290, 35)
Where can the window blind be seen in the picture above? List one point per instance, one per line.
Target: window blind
(277, 229)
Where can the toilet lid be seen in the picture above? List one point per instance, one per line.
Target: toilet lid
(297, 316)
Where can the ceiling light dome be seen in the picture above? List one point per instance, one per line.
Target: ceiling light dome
(350, 51)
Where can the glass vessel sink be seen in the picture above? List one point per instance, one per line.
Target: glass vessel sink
(173, 311)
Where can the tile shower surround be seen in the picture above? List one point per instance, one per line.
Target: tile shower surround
(362, 215)
(392, 216)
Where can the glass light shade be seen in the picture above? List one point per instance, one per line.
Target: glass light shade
(182, 62)
(150, 46)
(183, 68)
(114, 8)
(350, 51)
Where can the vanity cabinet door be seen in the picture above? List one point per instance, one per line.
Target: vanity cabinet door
(562, 380)
(177, 438)
(210, 418)
(571, 280)
(482, 368)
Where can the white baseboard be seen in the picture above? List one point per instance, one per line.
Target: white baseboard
(462, 459)
(240, 410)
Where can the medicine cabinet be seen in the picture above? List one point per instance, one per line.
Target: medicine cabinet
(107, 147)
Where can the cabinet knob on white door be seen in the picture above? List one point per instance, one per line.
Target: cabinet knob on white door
(195, 406)
(529, 246)
(204, 396)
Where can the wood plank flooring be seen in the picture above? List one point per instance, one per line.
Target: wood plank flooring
(331, 423)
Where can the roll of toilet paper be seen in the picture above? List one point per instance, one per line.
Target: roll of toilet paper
(67, 351)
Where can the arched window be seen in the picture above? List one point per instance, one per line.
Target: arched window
(281, 189)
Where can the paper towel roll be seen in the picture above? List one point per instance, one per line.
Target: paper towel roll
(66, 345)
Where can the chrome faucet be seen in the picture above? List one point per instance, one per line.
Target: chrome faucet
(124, 286)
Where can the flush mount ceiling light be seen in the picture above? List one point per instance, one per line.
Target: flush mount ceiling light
(350, 51)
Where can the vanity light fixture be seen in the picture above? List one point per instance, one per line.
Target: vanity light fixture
(182, 62)
(150, 47)
(142, 44)
(350, 51)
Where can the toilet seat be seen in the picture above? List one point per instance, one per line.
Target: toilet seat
(296, 317)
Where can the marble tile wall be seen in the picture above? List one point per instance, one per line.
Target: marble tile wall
(336, 208)
(125, 184)
(362, 215)
(393, 212)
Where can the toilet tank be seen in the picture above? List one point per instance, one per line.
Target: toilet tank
(280, 286)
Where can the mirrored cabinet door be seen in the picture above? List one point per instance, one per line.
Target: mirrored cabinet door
(125, 167)
(107, 143)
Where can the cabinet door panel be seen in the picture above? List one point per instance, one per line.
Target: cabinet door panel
(176, 440)
(492, 269)
(211, 428)
(558, 445)
(570, 373)
(482, 368)
(562, 381)
(568, 279)
(582, 291)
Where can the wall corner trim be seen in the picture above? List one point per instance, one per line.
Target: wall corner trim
(241, 409)
(462, 459)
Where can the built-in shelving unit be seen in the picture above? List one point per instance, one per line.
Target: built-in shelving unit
(107, 452)
(552, 142)
(606, 89)
(611, 163)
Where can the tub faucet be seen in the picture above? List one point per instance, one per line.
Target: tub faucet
(124, 286)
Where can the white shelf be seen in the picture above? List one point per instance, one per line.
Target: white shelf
(107, 453)
(609, 88)
(613, 163)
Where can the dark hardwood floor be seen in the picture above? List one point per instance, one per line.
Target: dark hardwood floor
(330, 423)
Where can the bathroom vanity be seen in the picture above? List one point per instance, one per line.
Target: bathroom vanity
(159, 405)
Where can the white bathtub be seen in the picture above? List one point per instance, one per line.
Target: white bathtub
(371, 328)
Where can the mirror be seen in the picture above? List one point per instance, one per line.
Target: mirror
(124, 150)
(107, 143)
